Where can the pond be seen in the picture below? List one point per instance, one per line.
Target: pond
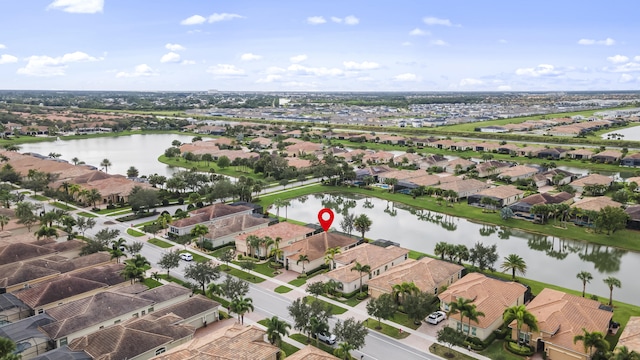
(549, 259)
(140, 150)
(632, 133)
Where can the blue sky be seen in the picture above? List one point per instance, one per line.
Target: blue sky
(328, 45)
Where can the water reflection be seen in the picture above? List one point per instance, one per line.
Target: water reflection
(549, 259)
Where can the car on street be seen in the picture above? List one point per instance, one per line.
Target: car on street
(186, 256)
(326, 337)
(436, 317)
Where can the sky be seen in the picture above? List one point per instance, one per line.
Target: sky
(328, 45)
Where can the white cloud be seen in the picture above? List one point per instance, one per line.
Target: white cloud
(275, 70)
(336, 19)
(502, 41)
(628, 67)
(406, 43)
(7, 59)
(365, 65)
(298, 58)
(270, 78)
(225, 70)
(315, 71)
(504, 88)
(316, 20)
(617, 59)
(141, 70)
(365, 78)
(406, 77)
(351, 20)
(625, 78)
(2, 46)
(418, 32)
(430, 20)
(193, 20)
(540, 70)
(250, 57)
(188, 62)
(78, 6)
(606, 42)
(170, 58)
(470, 82)
(50, 66)
(215, 17)
(174, 47)
(636, 58)
(439, 43)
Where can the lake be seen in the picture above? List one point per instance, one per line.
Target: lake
(549, 259)
(632, 133)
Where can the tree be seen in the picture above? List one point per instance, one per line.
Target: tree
(135, 247)
(623, 353)
(106, 163)
(241, 306)
(611, 219)
(473, 314)
(105, 236)
(316, 288)
(302, 312)
(140, 198)
(460, 306)
(419, 305)
(612, 282)
(227, 256)
(278, 203)
(348, 222)
(253, 242)
(200, 231)
(248, 265)
(4, 220)
(330, 254)
(83, 224)
(317, 326)
(361, 269)
(514, 263)
(224, 162)
(302, 259)
(483, 256)
(362, 224)
(202, 273)
(450, 337)
(134, 268)
(592, 340)
(343, 351)
(46, 232)
(585, 277)
(232, 287)
(169, 260)
(522, 316)
(132, 172)
(116, 249)
(7, 347)
(403, 289)
(382, 308)
(352, 332)
(276, 329)
(93, 196)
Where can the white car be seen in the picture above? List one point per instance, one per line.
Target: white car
(327, 337)
(436, 317)
(186, 256)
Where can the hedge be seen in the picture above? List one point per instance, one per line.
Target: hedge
(513, 347)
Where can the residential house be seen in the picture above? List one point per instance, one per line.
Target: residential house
(379, 157)
(607, 156)
(505, 195)
(635, 179)
(580, 154)
(303, 148)
(561, 317)
(261, 143)
(428, 274)
(529, 151)
(595, 203)
(630, 336)
(287, 232)
(431, 160)
(399, 175)
(508, 149)
(208, 215)
(299, 163)
(354, 154)
(423, 180)
(314, 247)
(373, 171)
(311, 352)
(462, 146)
(391, 139)
(518, 172)
(12, 309)
(235, 342)
(631, 160)
(29, 341)
(591, 179)
(524, 205)
(490, 296)
(464, 188)
(379, 259)
(634, 217)
(553, 153)
(491, 167)
(136, 339)
(486, 147)
(457, 165)
(442, 144)
(410, 159)
(63, 353)
(223, 232)
(553, 177)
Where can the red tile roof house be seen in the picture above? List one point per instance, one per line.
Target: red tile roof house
(225, 230)
(314, 247)
(286, 231)
(591, 179)
(303, 148)
(561, 317)
(490, 296)
(607, 156)
(581, 154)
(505, 194)
(207, 215)
(518, 172)
(464, 188)
(458, 165)
(630, 336)
(488, 168)
(379, 259)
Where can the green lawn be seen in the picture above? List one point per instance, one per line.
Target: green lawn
(86, 214)
(219, 252)
(62, 206)
(262, 268)
(151, 283)
(39, 197)
(134, 232)
(442, 351)
(288, 348)
(282, 289)
(160, 243)
(496, 351)
(335, 310)
(197, 257)
(402, 319)
(112, 211)
(246, 276)
(204, 167)
(386, 329)
(298, 282)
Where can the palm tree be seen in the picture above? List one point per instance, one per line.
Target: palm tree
(276, 329)
(4, 220)
(253, 242)
(200, 231)
(342, 351)
(460, 306)
(302, 259)
(116, 249)
(46, 231)
(105, 164)
(404, 289)
(590, 341)
(75, 160)
(7, 347)
(522, 317)
(361, 269)
(623, 353)
(473, 315)
(330, 254)
(440, 249)
(317, 326)
(362, 223)
(241, 306)
(213, 289)
(278, 203)
(586, 277)
(514, 262)
(611, 283)
(93, 196)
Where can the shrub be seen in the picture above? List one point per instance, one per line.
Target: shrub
(180, 201)
(514, 348)
(190, 207)
(502, 332)
(165, 202)
(111, 206)
(199, 204)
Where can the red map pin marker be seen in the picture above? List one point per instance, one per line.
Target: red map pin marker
(325, 217)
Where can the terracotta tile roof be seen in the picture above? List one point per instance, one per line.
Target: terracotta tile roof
(593, 179)
(463, 186)
(595, 203)
(164, 293)
(565, 315)
(303, 146)
(311, 353)
(519, 170)
(298, 163)
(502, 191)
(234, 225)
(425, 273)
(316, 245)
(609, 153)
(365, 254)
(583, 152)
(21, 251)
(425, 180)
(284, 230)
(460, 161)
(547, 198)
(235, 342)
(491, 296)
(209, 213)
(17, 273)
(630, 336)
(402, 174)
(189, 308)
(635, 179)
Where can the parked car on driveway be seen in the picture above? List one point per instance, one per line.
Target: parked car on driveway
(436, 317)
(186, 256)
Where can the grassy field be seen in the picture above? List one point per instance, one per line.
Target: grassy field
(298, 282)
(62, 206)
(151, 283)
(134, 232)
(246, 276)
(204, 167)
(39, 197)
(496, 351)
(386, 329)
(261, 268)
(87, 214)
(443, 351)
(282, 289)
(335, 310)
(160, 243)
